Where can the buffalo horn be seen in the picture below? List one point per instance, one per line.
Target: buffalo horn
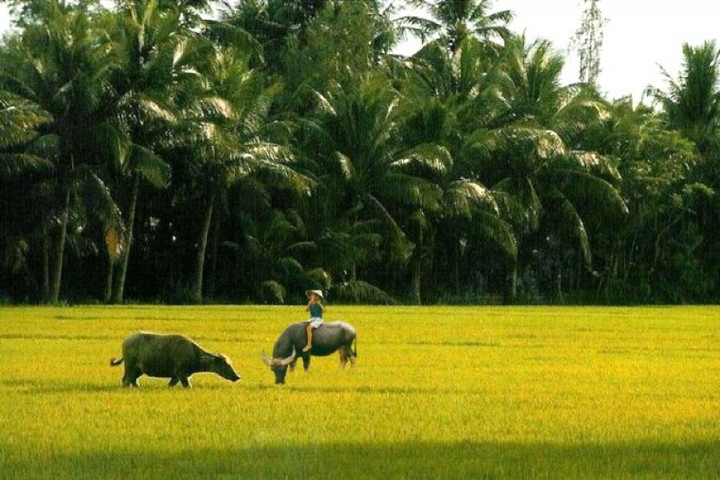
(265, 359)
(285, 361)
(278, 362)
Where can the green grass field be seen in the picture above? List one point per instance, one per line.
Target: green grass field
(437, 393)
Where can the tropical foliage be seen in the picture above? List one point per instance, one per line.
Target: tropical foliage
(245, 151)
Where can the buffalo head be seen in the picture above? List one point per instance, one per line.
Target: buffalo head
(221, 365)
(279, 365)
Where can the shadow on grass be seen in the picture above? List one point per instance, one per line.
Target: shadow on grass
(367, 390)
(476, 460)
(45, 387)
(35, 387)
(46, 336)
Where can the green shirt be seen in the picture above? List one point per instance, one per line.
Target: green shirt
(315, 310)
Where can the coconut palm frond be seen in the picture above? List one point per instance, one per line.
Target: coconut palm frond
(464, 197)
(411, 190)
(546, 143)
(399, 240)
(305, 246)
(100, 203)
(19, 119)
(12, 135)
(272, 291)
(595, 163)
(427, 156)
(15, 165)
(345, 164)
(595, 193)
(318, 278)
(484, 140)
(493, 228)
(214, 107)
(154, 109)
(519, 201)
(151, 167)
(290, 266)
(14, 254)
(357, 291)
(46, 146)
(571, 224)
(112, 143)
(255, 109)
(324, 104)
(283, 176)
(235, 37)
(267, 153)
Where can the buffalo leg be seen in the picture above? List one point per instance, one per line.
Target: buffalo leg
(343, 357)
(185, 382)
(130, 377)
(306, 362)
(130, 382)
(353, 358)
(173, 381)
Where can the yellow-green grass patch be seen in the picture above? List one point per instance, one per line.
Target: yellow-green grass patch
(439, 392)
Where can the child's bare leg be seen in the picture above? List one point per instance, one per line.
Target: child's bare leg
(309, 339)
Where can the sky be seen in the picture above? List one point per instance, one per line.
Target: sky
(641, 36)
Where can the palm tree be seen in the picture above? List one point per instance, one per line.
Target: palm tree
(533, 154)
(226, 134)
(453, 21)
(546, 185)
(270, 24)
(279, 246)
(19, 121)
(692, 105)
(152, 52)
(451, 97)
(692, 102)
(57, 64)
(657, 246)
(372, 174)
(469, 213)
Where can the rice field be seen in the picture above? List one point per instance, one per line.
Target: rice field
(438, 392)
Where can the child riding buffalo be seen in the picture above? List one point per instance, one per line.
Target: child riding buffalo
(316, 309)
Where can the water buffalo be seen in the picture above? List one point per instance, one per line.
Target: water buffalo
(169, 356)
(328, 338)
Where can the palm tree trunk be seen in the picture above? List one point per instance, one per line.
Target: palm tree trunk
(558, 287)
(56, 279)
(120, 284)
(557, 277)
(45, 269)
(511, 282)
(200, 262)
(212, 274)
(109, 280)
(457, 267)
(417, 269)
(416, 281)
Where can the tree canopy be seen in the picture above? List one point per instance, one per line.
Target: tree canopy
(247, 151)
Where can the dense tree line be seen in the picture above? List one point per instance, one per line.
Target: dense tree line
(177, 151)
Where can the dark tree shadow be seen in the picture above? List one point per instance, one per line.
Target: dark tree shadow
(421, 460)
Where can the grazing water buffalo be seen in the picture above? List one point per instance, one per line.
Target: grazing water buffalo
(327, 338)
(169, 356)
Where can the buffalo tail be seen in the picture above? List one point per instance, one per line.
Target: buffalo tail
(114, 362)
